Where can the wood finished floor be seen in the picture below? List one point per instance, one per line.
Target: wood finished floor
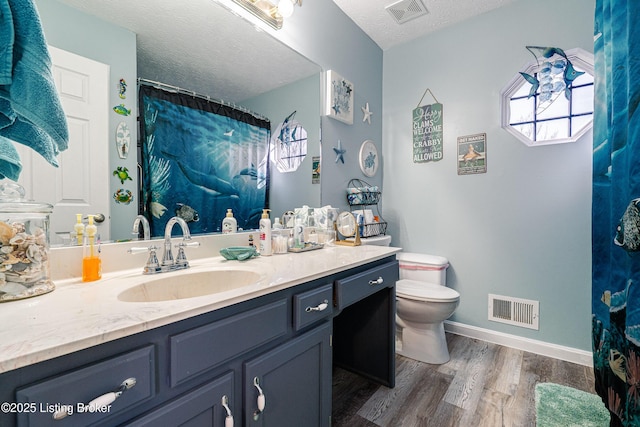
(483, 384)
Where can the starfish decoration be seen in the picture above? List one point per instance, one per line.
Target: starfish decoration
(367, 113)
(339, 152)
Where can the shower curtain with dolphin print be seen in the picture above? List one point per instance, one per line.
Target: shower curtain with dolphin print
(200, 158)
(616, 210)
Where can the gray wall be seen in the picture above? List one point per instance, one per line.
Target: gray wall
(323, 33)
(523, 229)
(293, 189)
(82, 34)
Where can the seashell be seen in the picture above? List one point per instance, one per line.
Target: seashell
(6, 249)
(40, 238)
(6, 233)
(34, 254)
(13, 288)
(19, 227)
(19, 267)
(21, 240)
(11, 259)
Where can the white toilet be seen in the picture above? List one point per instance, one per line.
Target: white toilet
(423, 304)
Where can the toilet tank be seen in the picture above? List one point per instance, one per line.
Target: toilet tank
(423, 267)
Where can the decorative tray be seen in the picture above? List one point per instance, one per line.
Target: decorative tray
(308, 246)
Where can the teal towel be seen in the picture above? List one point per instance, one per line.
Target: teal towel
(31, 114)
(6, 43)
(10, 165)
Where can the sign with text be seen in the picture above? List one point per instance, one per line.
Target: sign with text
(472, 154)
(427, 133)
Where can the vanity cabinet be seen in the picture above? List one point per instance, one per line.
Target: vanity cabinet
(277, 349)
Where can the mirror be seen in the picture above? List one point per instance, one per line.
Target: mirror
(202, 47)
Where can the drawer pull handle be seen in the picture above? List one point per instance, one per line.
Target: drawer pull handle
(100, 401)
(228, 421)
(320, 307)
(376, 282)
(261, 400)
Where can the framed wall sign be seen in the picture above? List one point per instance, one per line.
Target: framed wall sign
(339, 98)
(472, 154)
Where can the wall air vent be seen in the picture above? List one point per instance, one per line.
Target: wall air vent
(514, 311)
(406, 10)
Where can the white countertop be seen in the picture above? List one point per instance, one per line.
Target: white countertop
(79, 315)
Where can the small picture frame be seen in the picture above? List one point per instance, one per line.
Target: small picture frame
(339, 97)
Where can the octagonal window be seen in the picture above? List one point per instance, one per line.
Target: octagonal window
(543, 104)
(288, 145)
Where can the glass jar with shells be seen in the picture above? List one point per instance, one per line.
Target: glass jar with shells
(24, 245)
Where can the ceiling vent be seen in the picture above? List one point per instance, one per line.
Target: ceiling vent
(406, 10)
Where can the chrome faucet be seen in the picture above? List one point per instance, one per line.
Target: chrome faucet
(167, 256)
(168, 263)
(146, 230)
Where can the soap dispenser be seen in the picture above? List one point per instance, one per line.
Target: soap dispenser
(78, 228)
(229, 223)
(91, 262)
(265, 233)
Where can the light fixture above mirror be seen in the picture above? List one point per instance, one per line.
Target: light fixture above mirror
(269, 12)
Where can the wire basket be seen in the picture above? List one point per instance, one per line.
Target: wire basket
(361, 193)
(373, 229)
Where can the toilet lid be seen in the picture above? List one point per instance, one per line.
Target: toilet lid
(423, 291)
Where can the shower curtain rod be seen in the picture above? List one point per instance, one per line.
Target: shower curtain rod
(176, 89)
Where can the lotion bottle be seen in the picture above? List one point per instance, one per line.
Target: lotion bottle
(229, 223)
(265, 233)
(78, 228)
(91, 262)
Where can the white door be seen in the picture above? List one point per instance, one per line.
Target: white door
(81, 184)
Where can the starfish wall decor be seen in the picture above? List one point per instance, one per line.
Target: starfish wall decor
(339, 152)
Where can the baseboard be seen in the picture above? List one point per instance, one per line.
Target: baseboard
(568, 354)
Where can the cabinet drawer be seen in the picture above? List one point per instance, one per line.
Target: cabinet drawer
(72, 392)
(354, 288)
(202, 406)
(312, 306)
(203, 348)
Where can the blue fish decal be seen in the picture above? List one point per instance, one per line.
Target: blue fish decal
(535, 83)
(122, 110)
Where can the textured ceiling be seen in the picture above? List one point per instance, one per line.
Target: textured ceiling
(379, 24)
(199, 45)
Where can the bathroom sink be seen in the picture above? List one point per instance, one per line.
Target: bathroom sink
(188, 285)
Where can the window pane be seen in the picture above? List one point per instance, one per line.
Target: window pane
(521, 110)
(582, 100)
(578, 123)
(526, 130)
(553, 129)
(558, 106)
(583, 79)
(523, 90)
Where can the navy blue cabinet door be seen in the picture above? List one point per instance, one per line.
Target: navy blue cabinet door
(295, 380)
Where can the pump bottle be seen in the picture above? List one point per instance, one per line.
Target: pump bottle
(91, 262)
(79, 229)
(229, 223)
(265, 233)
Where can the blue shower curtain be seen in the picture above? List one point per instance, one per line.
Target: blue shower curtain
(200, 158)
(616, 209)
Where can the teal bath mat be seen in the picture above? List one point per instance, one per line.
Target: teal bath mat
(562, 406)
